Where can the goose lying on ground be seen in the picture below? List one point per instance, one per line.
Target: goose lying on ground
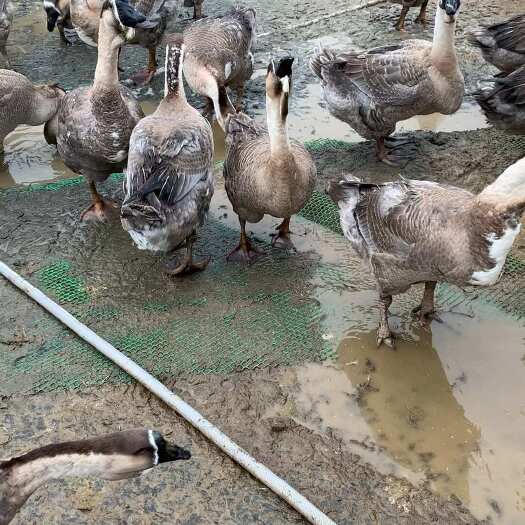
(413, 231)
(374, 90)
(115, 456)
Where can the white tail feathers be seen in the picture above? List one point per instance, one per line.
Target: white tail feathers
(508, 190)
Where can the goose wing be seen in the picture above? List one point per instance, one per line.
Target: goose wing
(167, 172)
(390, 75)
(510, 34)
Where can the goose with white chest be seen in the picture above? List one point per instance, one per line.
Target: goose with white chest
(265, 172)
(413, 231)
(95, 122)
(117, 456)
(374, 90)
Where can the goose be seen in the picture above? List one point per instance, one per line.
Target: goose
(58, 14)
(504, 102)
(218, 54)
(6, 19)
(169, 179)
(95, 122)
(85, 15)
(502, 44)
(407, 4)
(121, 455)
(265, 172)
(22, 102)
(414, 231)
(373, 90)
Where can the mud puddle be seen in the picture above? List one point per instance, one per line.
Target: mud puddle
(436, 409)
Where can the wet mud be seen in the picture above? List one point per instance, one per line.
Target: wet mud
(430, 433)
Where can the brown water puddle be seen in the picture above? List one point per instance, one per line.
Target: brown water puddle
(447, 406)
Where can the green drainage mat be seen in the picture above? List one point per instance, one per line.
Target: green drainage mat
(228, 318)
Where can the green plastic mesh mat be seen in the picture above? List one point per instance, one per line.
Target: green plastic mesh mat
(231, 317)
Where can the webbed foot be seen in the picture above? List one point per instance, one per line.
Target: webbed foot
(186, 267)
(99, 211)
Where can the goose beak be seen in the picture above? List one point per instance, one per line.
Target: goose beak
(173, 453)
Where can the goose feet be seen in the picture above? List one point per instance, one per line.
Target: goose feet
(187, 265)
(245, 251)
(426, 312)
(100, 208)
(281, 239)
(384, 335)
(144, 77)
(394, 151)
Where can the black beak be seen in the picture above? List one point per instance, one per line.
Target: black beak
(52, 18)
(451, 7)
(173, 453)
(128, 15)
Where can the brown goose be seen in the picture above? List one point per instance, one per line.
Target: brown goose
(115, 456)
(265, 172)
(504, 102)
(21, 102)
(169, 178)
(95, 122)
(85, 16)
(407, 4)
(374, 90)
(6, 19)
(218, 54)
(413, 231)
(502, 44)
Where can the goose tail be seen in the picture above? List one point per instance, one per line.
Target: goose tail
(320, 58)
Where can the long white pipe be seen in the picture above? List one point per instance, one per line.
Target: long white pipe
(256, 469)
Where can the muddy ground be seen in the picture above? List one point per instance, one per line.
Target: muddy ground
(252, 407)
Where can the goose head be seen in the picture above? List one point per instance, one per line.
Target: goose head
(114, 456)
(451, 9)
(279, 85)
(53, 14)
(122, 19)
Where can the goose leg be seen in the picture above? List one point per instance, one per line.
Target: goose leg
(240, 96)
(384, 335)
(400, 25)
(197, 9)
(282, 237)
(245, 249)
(98, 210)
(422, 18)
(426, 311)
(144, 77)
(187, 265)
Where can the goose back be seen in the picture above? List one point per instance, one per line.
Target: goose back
(416, 231)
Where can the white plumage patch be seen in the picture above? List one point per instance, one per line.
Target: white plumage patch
(227, 70)
(85, 38)
(151, 440)
(285, 81)
(51, 5)
(498, 251)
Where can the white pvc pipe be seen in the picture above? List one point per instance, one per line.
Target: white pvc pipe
(256, 469)
(344, 11)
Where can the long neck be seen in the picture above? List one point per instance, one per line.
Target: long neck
(443, 49)
(174, 86)
(276, 116)
(106, 73)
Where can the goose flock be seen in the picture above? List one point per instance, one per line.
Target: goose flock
(406, 231)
